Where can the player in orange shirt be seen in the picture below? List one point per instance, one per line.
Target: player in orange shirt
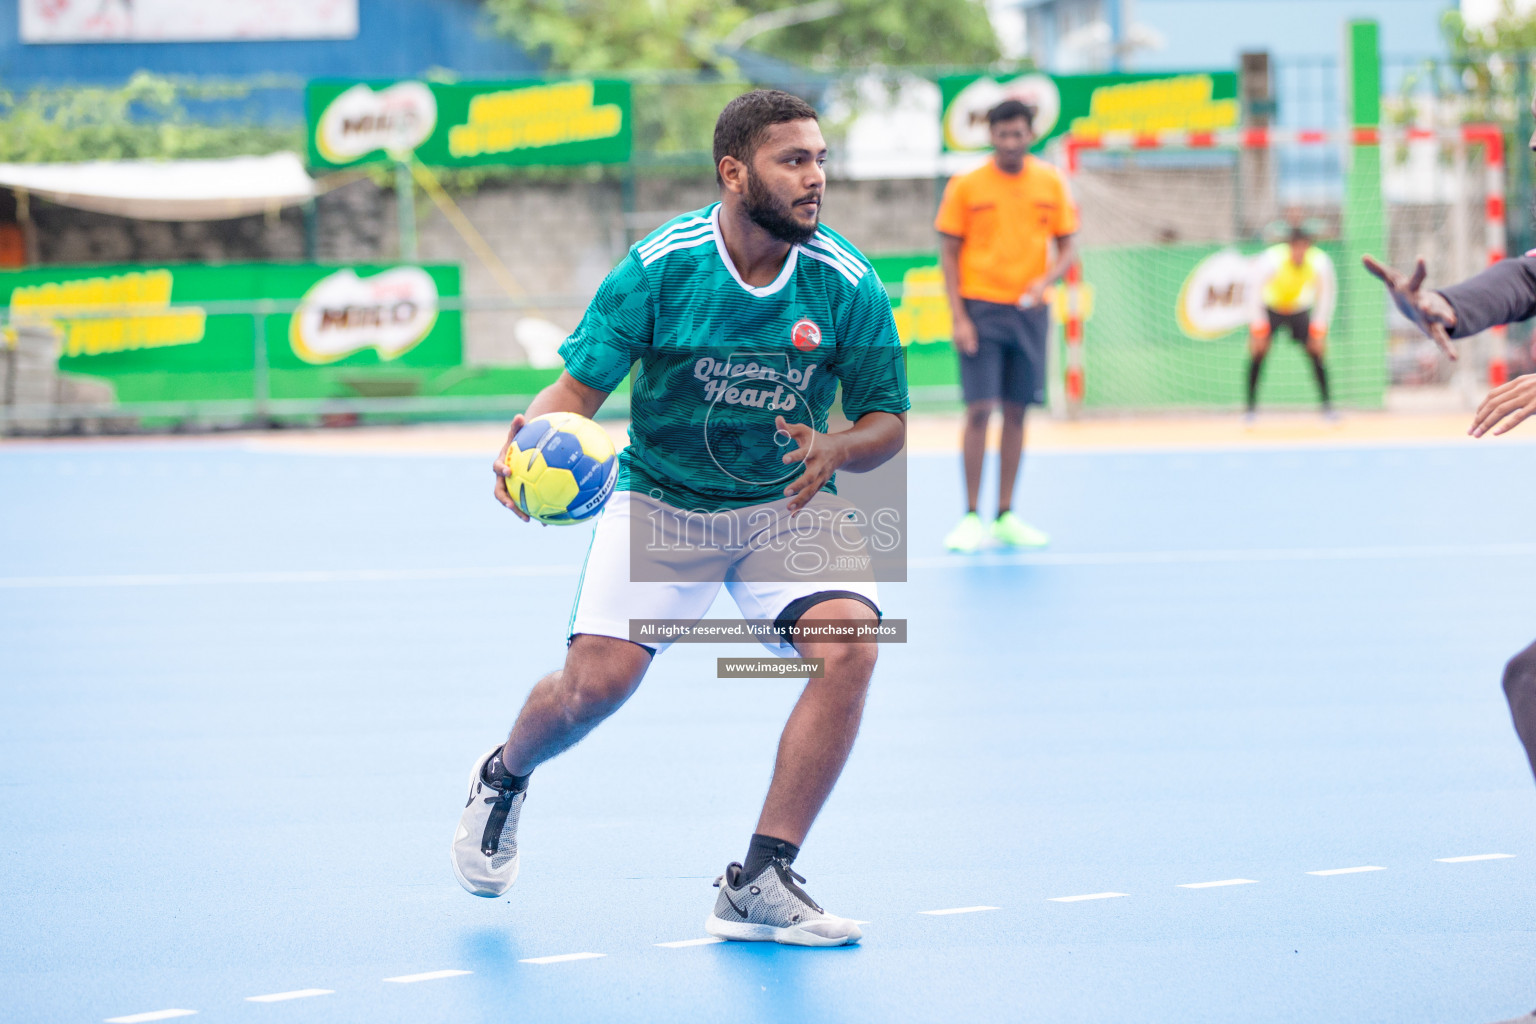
(997, 227)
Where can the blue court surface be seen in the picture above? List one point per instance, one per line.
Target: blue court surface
(241, 689)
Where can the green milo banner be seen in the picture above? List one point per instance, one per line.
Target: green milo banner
(1165, 327)
(172, 332)
(466, 123)
(1089, 105)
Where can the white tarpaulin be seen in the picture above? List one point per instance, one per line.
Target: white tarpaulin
(168, 189)
(157, 21)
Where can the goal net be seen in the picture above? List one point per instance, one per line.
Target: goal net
(1171, 229)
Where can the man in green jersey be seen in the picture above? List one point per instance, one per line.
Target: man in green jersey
(743, 319)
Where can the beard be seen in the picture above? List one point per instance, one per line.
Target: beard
(776, 216)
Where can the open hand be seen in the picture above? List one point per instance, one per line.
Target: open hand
(1506, 405)
(1428, 310)
(499, 467)
(820, 454)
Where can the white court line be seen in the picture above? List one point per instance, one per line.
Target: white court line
(951, 910)
(141, 1018)
(407, 979)
(1213, 885)
(301, 993)
(178, 579)
(562, 958)
(1475, 856)
(1088, 896)
(941, 562)
(709, 940)
(1228, 555)
(1348, 871)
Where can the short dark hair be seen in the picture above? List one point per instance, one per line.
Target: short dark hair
(1008, 110)
(740, 128)
(1301, 233)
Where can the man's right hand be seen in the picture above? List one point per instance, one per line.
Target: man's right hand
(1428, 310)
(965, 335)
(1505, 407)
(499, 467)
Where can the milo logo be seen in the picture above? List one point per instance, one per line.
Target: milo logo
(361, 121)
(1214, 300)
(965, 119)
(343, 313)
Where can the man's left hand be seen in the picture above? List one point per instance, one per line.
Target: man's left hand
(1506, 405)
(1318, 332)
(1034, 295)
(821, 454)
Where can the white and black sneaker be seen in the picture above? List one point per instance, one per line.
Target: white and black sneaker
(773, 908)
(484, 849)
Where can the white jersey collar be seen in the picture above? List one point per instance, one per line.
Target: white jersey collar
(774, 286)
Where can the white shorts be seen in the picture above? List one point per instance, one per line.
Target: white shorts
(770, 562)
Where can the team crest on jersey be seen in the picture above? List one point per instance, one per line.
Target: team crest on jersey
(806, 335)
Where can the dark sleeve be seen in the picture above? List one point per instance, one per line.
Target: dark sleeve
(1502, 294)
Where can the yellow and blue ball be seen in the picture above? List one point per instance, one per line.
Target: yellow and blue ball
(563, 468)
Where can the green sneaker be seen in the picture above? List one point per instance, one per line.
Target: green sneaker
(968, 536)
(1009, 529)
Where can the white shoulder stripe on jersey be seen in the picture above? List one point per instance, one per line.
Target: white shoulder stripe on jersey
(677, 225)
(705, 231)
(831, 262)
(853, 267)
(828, 241)
(687, 243)
(676, 231)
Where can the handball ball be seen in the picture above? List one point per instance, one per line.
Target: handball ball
(563, 468)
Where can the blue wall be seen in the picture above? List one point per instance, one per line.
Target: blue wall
(396, 38)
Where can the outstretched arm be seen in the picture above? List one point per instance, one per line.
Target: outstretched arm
(1428, 310)
(1502, 294)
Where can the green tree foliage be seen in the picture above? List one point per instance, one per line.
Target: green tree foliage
(1488, 58)
(869, 33)
(1495, 63)
(147, 118)
(589, 36)
(688, 43)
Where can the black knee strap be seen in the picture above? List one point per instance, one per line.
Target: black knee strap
(793, 611)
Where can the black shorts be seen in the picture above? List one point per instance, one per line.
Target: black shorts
(1009, 364)
(1299, 324)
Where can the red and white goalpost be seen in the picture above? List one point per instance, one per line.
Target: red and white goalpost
(1181, 199)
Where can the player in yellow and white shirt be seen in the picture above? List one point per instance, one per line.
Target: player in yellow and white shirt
(1297, 288)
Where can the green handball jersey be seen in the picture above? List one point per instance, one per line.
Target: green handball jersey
(718, 359)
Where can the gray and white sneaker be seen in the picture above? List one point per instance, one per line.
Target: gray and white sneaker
(484, 852)
(773, 908)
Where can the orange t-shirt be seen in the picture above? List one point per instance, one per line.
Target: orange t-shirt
(1006, 223)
